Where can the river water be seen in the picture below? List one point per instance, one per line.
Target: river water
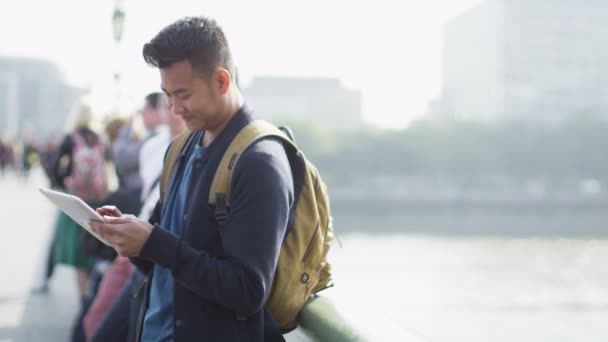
(477, 289)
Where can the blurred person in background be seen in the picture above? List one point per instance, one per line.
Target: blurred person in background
(6, 155)
(126, 194)
(90, 246)
(16, 163)
(29, 156)
(128, 189)
(111, 130)
(48, 155)
(125, 149)
(79, 169)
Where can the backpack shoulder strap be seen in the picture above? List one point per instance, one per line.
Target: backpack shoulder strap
(170, 158)
(251, 133)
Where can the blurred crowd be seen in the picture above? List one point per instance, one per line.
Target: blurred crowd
(20, 155)
(120, 166)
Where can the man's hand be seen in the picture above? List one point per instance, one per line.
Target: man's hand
(126, 233)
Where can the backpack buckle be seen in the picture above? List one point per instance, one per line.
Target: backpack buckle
(221, 210)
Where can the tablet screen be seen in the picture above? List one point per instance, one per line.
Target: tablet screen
(75, 208)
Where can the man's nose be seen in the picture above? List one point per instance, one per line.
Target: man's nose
(178, 110)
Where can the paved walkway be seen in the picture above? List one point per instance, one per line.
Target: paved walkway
(27, 221)
(41, 317)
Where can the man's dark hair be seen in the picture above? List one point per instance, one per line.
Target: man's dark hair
(153, 99)
(199, 40)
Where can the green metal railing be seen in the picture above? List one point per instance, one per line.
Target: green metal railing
(323, 320)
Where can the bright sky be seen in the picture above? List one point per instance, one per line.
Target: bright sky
(390, 49)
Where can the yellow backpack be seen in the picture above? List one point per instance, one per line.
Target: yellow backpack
(302, 269)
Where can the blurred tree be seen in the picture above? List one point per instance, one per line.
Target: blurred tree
(462, 152)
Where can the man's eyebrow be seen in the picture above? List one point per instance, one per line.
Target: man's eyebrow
(175, 92)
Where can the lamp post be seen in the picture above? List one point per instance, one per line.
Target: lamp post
(118, 27)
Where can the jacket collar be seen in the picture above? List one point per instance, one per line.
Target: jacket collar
(242, 117)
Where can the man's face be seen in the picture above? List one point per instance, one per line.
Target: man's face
(190, 96)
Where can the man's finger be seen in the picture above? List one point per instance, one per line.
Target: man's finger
(118, 220)
(105, 230)
(109, 210)
(94, 224)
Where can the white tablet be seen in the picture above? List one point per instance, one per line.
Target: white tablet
(76, 209)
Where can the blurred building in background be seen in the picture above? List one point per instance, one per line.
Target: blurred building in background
(33, 96)
(323, 100)
(521, 59)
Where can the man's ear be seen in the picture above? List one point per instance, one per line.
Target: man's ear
(223, 80)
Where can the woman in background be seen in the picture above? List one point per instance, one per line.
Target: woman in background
(79, 169)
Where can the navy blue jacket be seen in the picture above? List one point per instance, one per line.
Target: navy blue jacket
(221, 283)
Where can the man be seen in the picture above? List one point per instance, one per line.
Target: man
(126, 147)
(205, 285)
